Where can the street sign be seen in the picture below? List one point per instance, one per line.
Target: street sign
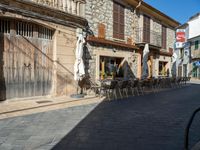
(178, 45)
(180, 35)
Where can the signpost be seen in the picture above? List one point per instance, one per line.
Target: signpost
(180, 38)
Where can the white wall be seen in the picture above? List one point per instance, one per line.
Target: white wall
(194, 27)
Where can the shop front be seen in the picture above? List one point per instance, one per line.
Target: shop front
(196, 70)
(112, 60)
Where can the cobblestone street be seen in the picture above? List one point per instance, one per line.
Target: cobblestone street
(149, 122)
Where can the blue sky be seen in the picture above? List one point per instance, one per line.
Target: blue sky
(180, 10)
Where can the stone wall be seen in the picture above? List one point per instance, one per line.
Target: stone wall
(93, 53)
(100, 11)
(170, 38)
(157, 27)
(129, 20)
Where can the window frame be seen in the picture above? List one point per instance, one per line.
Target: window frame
(196, 45)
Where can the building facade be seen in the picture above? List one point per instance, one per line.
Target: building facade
(195, 57)
(182, 51)
(119, 34)
(38, 40)
(111, 49)
(187, 49)
(157, 30)
(194, 40)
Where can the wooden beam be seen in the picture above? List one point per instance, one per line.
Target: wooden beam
(111, 43)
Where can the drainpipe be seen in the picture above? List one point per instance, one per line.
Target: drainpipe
(134, 13)
(133, 26)
(140, 2)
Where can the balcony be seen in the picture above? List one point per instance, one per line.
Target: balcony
(148, 36)
(75, 7)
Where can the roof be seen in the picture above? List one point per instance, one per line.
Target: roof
(194, 16)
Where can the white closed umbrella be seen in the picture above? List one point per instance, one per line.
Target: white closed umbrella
(79, 67)
(145, 71)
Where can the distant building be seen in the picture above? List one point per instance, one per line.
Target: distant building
(188, 49)
(182, 51)
(194, 40)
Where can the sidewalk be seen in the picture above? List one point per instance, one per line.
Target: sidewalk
(18, 107)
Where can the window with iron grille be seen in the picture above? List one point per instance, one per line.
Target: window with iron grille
(4, 26)
(45, 33)
(164, 37)
(118, 21)
(24, 29)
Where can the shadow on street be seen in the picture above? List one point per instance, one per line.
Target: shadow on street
(149, 122)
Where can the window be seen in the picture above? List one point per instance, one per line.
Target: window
(111, 67)
(164, 35)
(118, 21)
(45, 33)
(4, 26)
(162, 68)
(24, 29)
(196, 43)
(181, 53)
(146, 29)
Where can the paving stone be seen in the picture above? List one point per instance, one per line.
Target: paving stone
(149, 122)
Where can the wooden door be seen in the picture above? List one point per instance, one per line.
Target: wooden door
(27, 64)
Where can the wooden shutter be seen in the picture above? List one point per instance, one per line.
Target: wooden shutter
(118, 21)
(164, 35)
(146, 29)
(101, 31)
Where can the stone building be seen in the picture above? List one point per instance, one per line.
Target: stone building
(38, 40)
(119, 32)
(158, 30)
(111, 50)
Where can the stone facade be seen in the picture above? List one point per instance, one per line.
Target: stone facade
(157, 27)
(170, 38)
(98, 11)
(95, 51)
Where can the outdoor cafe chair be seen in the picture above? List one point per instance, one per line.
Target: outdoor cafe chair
(173, 82)
(178, 82)
(123, 88)
(139, 86)
(131, 86)
(108, 87)
(95, 87)
(155, 85)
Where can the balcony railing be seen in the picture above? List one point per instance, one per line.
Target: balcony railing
(75, 7)
(148, 36)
